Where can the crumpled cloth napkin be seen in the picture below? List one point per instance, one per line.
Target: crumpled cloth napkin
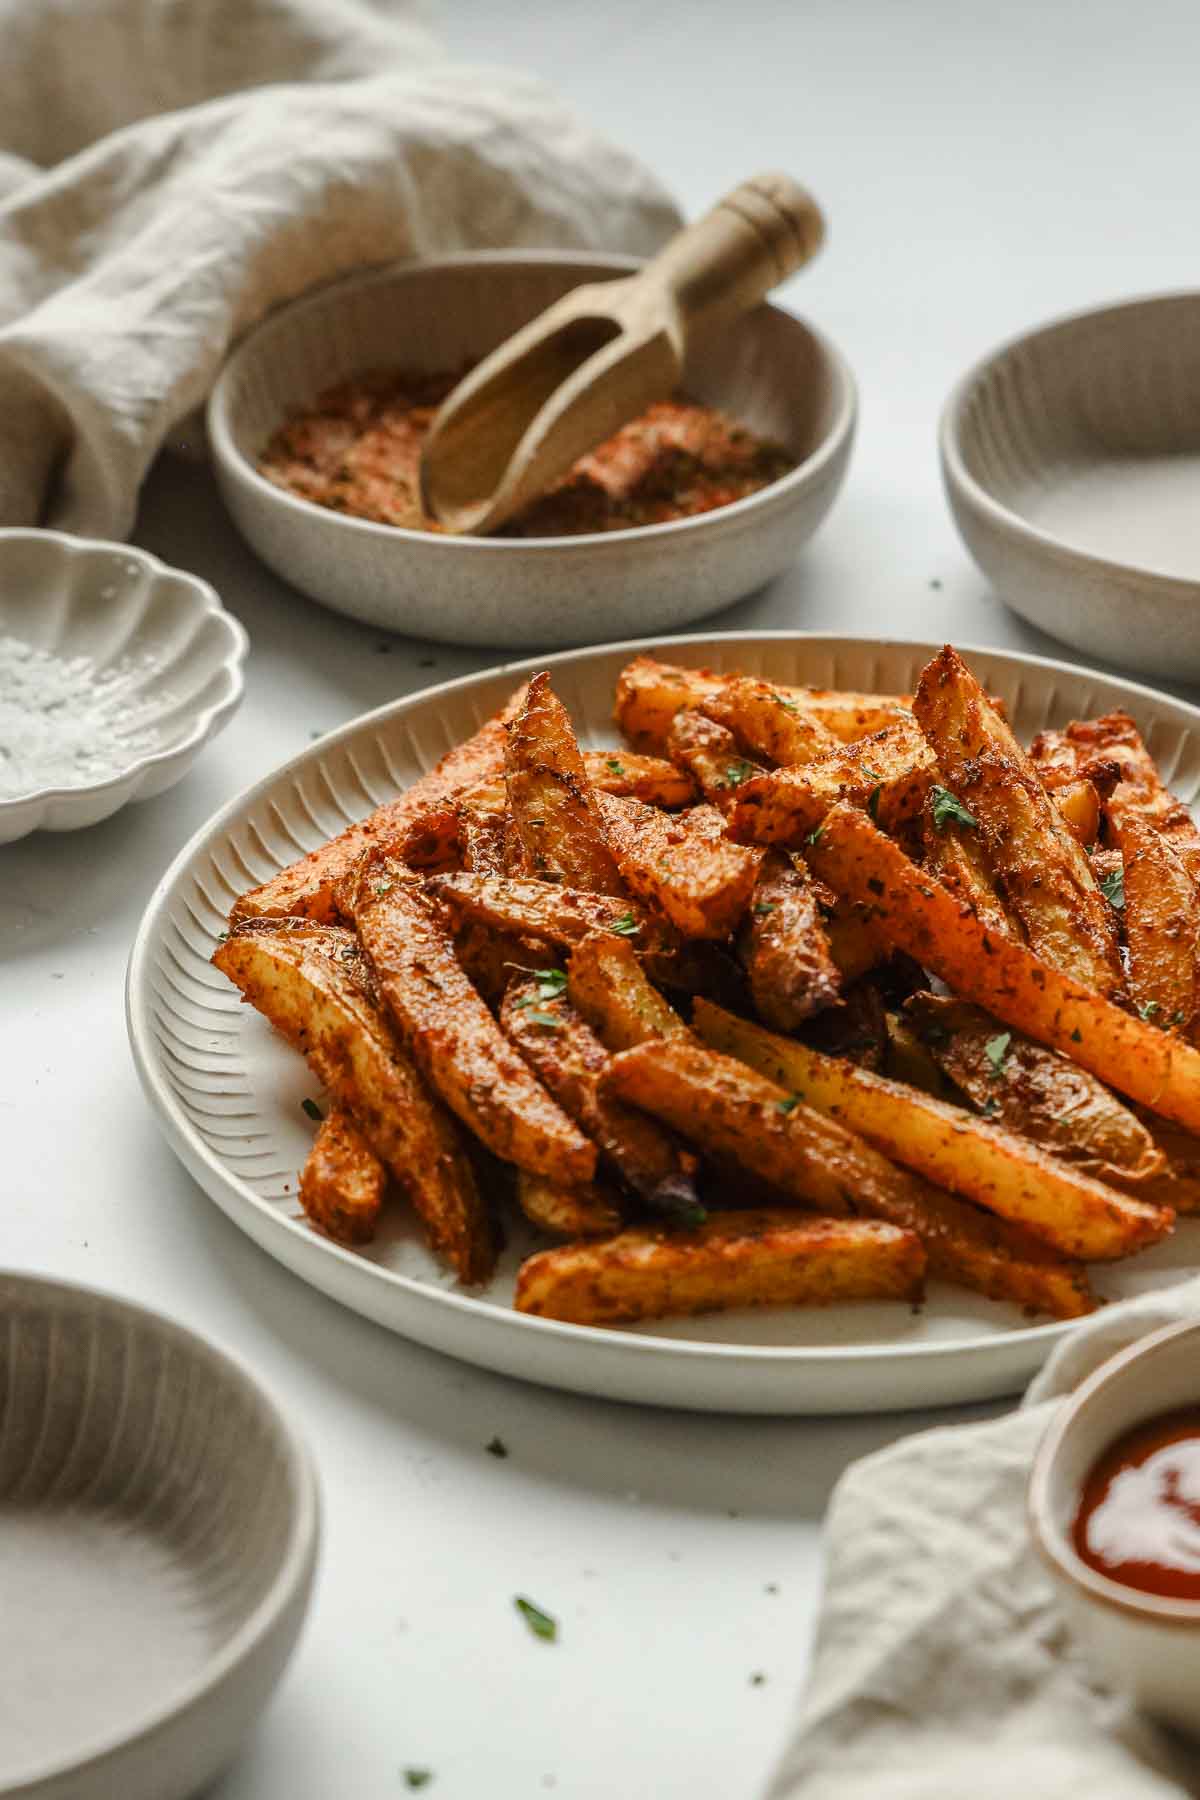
(942, 1668)
(169, 171)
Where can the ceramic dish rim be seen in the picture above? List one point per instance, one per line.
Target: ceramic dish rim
(205, 720)
(188, 1144)
(965, 485)
(807, 473)
(296, 1565)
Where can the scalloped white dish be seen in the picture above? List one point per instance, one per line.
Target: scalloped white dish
(115, 671)
(228, 1092)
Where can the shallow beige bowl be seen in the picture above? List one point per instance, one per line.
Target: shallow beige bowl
(1144, 1645)
(772, 372)
(158, 1531)
(1071, 458)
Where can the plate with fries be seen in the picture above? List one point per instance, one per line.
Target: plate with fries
(766, 1023)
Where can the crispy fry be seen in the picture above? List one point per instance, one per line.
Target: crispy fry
(306, 887)
(1078, 803)
(606, 984)
(650, 693)
(309, 996)
(565, 1212)
(452, 1036)
(537, 909)
(683, 865)
(570, 1059)
(762, 1258)
(1115, 743)
(647, 778)
(889, 773)
(710, 753)
(552, 804)
(855, 945)
(1179, 1185)
(917, 914)
(784, 947)
(342, 1182)
(1037, 1093)
(1162, 922)
(767, 722)
(955, 853)
(1044, 871)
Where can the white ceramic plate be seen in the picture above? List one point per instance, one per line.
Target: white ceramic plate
(229, 1094)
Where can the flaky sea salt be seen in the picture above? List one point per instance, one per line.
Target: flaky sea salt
(66, 723)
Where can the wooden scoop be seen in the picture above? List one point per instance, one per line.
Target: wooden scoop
(603, 353)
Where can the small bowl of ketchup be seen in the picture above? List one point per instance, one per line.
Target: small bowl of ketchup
(1114, 1508)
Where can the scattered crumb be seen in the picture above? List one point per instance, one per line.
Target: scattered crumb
(757, 1679)
(497, 1447)
(772, 1587)
(936, 584)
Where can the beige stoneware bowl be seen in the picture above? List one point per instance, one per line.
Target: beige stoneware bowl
(772, 372)
(1071, 458)
(158, 1533)
(1144, 1645)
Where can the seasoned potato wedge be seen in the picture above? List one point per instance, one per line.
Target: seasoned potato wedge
(1162, 922)
(540, 910)
(551, 801)
(784, 947)
(650, 693)
(955, 853)
(753, 1258)
(710, 753)
(1112, 749)
(917, 914)
(650, 779)
(605, 983)
(1044, 871)
(684, 865)
(342, 1182)
(769, 723)
(569, 1058)
(1078, 804)
(310, 998)
(483, 828)
(565, 1212)
(889, 773)
(306, 887)
(452, 1036)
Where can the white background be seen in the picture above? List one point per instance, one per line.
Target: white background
(983, 167)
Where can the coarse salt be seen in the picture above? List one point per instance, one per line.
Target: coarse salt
(66, 723)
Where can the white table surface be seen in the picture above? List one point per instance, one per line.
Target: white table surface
(983, 168)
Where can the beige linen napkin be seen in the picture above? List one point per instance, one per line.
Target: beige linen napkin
(169, 171)
(942, 1669)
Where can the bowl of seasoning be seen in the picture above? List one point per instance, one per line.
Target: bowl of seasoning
(317, 420)
(1114, 1506)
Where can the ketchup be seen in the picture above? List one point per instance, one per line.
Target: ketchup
(1139, 1519)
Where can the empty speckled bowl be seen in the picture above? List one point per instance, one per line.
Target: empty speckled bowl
(138, 666)
(158, 1533)
(1071, 458)
(770, 371)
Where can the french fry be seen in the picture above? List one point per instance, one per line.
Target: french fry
(888, 773)
(1162, 922)
(711, 755)
(1113, 745)
(537, 909)
(855, 945)
(753, 1258)
(342, 1182)
(650, 779)
(306, 887)
(684, 865)
(1179, 1185)
(915, 913)
(311, 997)
(650, 693)
(564, 1212)
(955, 854)
(767, 722)
(606, 985)
(784, 947)
(570, 1059)
(551, 800)
(452, 1036)
(1007, 1175)
(1044, 871)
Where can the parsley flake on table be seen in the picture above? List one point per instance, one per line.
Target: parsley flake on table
(625, 927)
(996, 1050)
(312, 1109)
(1113, 889)
(540, 1623)
(946, 806)
(417, 1778)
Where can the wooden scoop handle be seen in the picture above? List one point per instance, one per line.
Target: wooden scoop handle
(752, 240)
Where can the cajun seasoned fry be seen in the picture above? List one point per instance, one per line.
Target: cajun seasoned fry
(917, 914)
(550, 798)
(888, 773)
(710, 753)
(1112, 747)
(306, 887)
(767, 722)
(683, 865)
(650, 693)
(606, 985)
(565, 1212)
(1078, 804)
(955, 853)
(342, 1182)
(1044, 871)
(784, 947)
(754, 1258)
(1162, 922)
(649, 779)
(537, 909)
(311, 997)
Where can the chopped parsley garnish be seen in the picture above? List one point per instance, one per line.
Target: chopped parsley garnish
(312, 1109)
(1113, 889)
(1148, 1011)
(814, 837)
(873, 802)
(625, 927)
(617, 767)
(791, 706)
(497, 1447)
(757, 1679)
(996, 1049)
(222, 936)
(736, 773)
(551, 983)
(990, 1108)
(540, 1623)
(1077, 1036)
(417, 1778)
(546, 1019)
(788, 1105)
(946, 806)
(382, 887)
(1177, 1018)
(763, 907)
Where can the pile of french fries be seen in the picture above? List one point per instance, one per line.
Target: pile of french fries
(799, 997)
